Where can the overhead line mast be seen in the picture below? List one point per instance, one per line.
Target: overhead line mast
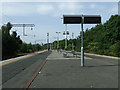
(23, 25)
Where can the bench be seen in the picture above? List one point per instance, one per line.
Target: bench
(65, 54)
(74, 53)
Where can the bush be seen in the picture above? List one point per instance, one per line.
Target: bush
(115, 48)
(69, 47)
(93, 47)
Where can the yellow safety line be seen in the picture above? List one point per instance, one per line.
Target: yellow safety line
(17, 59)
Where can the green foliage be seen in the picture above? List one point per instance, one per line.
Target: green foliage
(13, 45)
(69, 46)
(101, 39)
(10, 43)
(62, 44)
(115, 48)
(93, 46)
(26, 48)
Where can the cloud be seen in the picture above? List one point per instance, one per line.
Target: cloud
(53, 9)
(114, 10)
(59, 0)
(45, 9)
(25, 9)
(70, 6)
(96, 6)
(92, 5)
(17, 9)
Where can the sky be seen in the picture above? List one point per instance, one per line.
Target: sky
(47, 17)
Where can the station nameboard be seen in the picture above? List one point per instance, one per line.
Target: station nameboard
(77, 19)
(72, 20)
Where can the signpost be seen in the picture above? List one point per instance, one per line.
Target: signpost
(77, 19)
(81, 19)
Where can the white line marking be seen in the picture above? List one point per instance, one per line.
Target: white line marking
(103, 56)
(66, 58)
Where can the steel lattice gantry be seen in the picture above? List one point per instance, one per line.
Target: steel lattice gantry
(23, 25)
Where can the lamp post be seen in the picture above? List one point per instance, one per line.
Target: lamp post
(66, 39)
(82, 48)
(72, 42)
(48, 41)
(55, 42)
(58, 40)
(66, 33)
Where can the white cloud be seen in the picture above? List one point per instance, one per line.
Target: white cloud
(59, 0)
(45, 9)
(17, 10)
(114, 10)
(67, 8)
(92, 6)
(70, 6)
(98, 6)
(24, 9)
(55, 10)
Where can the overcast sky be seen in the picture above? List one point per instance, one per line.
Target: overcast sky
(47, 17)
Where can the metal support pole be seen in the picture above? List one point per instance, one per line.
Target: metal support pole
(58, 41)
(24, 30)
(82, 49)
(55, 45)
(72, 42)
(66, 39)
(48, 41)
(35, 46)
(50, 47)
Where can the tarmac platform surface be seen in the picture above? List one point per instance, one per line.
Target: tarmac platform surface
(66, 72)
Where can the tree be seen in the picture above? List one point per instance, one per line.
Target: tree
(102, 39)
(115, 48)
(10, 43)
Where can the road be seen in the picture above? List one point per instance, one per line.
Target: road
(62, 72)
(17, 74)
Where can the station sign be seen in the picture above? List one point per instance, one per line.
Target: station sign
(77, 19)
